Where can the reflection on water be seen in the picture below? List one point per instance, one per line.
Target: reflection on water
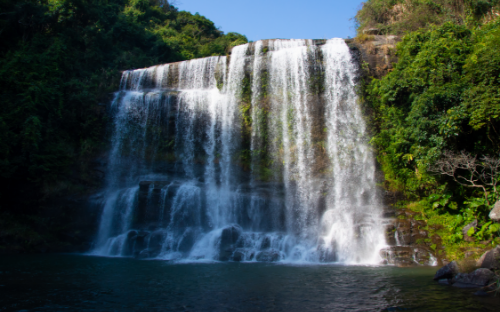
(79, 283)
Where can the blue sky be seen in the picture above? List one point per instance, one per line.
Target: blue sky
(268, 19)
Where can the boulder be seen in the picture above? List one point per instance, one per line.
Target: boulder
(238, 256)
(466, 229)
(495, 212)
(448, 271)
(490, 259)
(476, 279)
(228, 240)
(270, 255)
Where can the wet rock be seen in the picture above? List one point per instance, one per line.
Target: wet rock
(490, 259)
(448, 271)
(144, 254)
(476, 279)
(495, 212)
(156, 243)
(469, 226)
(407, 255)
(268, 256)
(266, 243)
(128, 249)
(238, 256)
(187, 240)
(417, 224)
(390, 233)
(418, 235)
(388, 213)
(140, 243)
(228, 241)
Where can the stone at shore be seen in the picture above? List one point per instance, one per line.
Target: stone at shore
(448, 271)
(478, 278)
(495, 212)
(490, 259)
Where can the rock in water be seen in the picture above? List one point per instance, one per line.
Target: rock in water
(448, 271)
(495, 212)
(476, 279)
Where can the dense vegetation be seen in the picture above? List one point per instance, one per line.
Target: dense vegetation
(60, 58)
(59, 61)
(438, 120)
(400, 16)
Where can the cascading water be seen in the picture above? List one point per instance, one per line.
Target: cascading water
(259, 156)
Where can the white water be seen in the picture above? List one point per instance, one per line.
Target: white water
(306, 192)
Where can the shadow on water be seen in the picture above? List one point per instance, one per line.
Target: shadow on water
(80, 283)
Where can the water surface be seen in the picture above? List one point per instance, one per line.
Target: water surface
(82, 283)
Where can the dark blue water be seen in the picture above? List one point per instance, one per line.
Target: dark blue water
(81, 283)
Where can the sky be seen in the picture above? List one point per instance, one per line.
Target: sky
(285, 19)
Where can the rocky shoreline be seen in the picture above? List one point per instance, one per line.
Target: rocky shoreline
(482, 275)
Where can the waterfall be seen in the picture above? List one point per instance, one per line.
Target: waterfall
(261, 155)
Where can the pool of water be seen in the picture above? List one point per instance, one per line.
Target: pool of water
(83, 283)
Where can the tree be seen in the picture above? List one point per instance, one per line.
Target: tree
(468, 171)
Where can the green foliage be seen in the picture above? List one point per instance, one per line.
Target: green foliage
(443, 95)
(60, 60)
(423, 106)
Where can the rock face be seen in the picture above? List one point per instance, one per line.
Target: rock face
(495, 212)
(407, 240)
(378, 52)
(476, 279)
(407, 255)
